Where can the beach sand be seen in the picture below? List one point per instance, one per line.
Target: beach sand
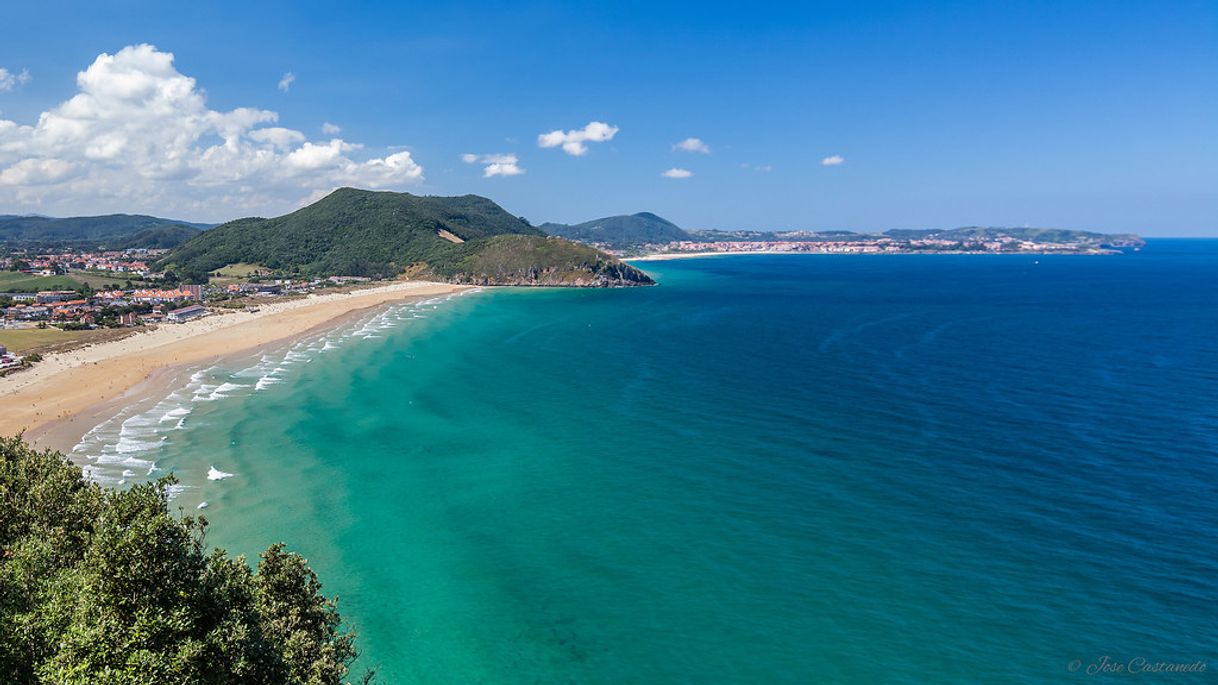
(66, 394)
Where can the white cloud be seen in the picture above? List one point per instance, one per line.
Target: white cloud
(692, 145)
(35, 172)
(9, 80)
(677, 172)
(316, 156)
(138, 137)
(496, 164)
(331, 129)
(282, 138)
(286, 82)
(762, 168)
(573, 142)
(832, 160)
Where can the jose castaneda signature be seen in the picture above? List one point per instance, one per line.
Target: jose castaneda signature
(1107, 665)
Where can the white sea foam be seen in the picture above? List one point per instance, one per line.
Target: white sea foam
(266, 382)
(132, 441)
(176, 489)
(175, 413)
(214, 473)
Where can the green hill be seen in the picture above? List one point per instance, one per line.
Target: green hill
(352, 232)
(114, 230)
(623, 231)
(157, 237)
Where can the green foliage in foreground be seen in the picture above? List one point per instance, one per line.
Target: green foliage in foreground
(100, 586)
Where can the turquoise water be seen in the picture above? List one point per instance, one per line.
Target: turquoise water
(769, 469)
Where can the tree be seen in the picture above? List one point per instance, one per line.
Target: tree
(102, 586)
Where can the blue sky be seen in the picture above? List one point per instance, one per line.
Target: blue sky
(1095, 115)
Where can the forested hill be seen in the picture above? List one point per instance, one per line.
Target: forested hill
(352, 232)
(623, 231)
(115, 231)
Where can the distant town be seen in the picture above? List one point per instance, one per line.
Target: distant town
(54, 300)
(980, 241)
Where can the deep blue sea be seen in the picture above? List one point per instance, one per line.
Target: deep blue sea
(767, 469)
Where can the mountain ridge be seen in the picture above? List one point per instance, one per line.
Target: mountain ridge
(621, 231)
(384, 234)
(116, 231)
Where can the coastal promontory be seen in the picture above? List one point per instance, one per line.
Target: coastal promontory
(464, 239)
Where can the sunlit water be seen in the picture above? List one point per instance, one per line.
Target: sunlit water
(770, 469)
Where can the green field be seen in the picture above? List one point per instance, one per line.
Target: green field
(26, 340)
(240, 270)
(102, 281)
(236, 273)
(16, 282)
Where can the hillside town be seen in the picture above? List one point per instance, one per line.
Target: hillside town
(133, 262)
(804, 242)
(120, 289)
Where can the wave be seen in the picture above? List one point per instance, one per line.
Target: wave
(214, 473)
(140, 438)
(266, 382)
(175, 413)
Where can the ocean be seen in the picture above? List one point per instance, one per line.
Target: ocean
(766, 469)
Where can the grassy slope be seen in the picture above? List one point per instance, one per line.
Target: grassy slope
(512, 258)
(240, 270)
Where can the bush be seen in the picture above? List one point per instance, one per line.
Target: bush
(102, 586)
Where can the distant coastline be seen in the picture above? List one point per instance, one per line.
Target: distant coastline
(667, 256)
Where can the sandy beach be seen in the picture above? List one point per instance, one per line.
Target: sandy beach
(68, 384)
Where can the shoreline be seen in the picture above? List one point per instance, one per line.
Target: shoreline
(668, 256)
(47, 401)
(697, 255)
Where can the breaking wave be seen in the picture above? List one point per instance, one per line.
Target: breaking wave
(126, 448)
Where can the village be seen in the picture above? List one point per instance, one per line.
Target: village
(94, 291)
(812, 243)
